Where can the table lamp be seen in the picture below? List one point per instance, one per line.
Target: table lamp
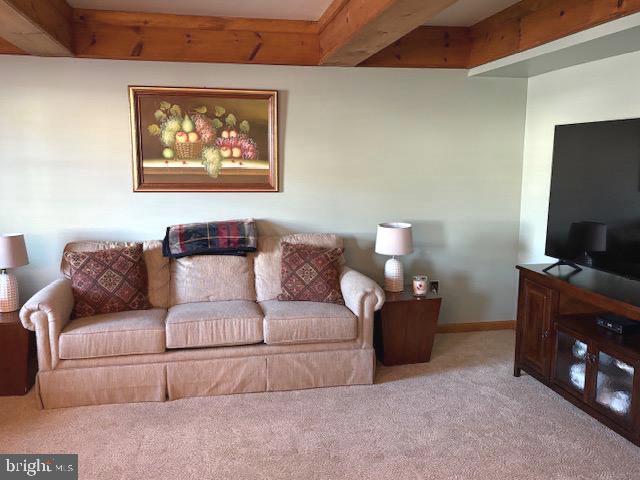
(394, 239)
(13, 253)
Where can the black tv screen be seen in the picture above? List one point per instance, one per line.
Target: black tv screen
(594, 203)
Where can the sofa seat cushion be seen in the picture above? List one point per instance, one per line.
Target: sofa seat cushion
(122, 333)
(307, 322)
(213, 324)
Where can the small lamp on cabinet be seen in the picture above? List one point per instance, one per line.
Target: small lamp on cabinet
(394, 239)
(13, 254)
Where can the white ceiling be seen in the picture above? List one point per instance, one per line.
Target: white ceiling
(465, 13)
(285, 9)
(462, 13)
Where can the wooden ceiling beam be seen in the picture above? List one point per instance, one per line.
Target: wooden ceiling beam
(426, 47)
(373, 33)
(165, 37)
(531, 23)
(524, 25)
(7, 48)
(330, 13)
(358, 29)
(37, 27)
(193, 22)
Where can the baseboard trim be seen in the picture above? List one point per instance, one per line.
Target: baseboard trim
(477, 326)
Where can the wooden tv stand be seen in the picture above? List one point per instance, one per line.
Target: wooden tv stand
(559, 343)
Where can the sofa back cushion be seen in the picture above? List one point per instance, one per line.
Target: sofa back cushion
(268, 259)
(210, 278)
(157, 265)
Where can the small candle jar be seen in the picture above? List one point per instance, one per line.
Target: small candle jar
(420, 285)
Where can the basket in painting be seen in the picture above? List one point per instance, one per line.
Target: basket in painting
(188, 150)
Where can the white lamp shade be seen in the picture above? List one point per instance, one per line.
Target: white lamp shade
(394, 239)
(13, 252)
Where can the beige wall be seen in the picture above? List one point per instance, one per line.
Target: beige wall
(358, 146)
(602, 90)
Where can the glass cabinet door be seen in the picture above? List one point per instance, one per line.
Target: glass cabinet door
(614, 386)
(571, 362)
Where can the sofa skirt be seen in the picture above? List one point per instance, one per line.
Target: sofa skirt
(99, 385)
(157, 382)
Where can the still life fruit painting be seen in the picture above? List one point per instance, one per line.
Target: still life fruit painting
(204, 139)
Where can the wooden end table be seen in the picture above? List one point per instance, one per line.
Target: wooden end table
(405, 328)
(18, 363)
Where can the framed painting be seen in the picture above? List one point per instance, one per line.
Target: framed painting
(204, 139)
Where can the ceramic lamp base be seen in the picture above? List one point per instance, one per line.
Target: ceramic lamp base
(393, 275)
(8, 293)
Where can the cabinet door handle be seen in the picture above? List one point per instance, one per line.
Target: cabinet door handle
(545, 334)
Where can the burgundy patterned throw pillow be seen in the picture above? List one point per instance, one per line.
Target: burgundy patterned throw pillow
(311, 274)
(108, 281)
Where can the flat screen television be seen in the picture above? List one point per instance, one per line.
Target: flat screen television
(594, 203)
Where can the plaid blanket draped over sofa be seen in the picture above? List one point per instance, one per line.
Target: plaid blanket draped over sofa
(232, 237)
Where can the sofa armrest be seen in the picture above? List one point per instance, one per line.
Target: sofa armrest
(363, 297)
(46, 313)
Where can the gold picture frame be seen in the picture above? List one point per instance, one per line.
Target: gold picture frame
(187, 139)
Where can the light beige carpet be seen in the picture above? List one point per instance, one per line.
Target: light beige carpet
(462, 416)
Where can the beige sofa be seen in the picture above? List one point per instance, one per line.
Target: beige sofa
(216, 328)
